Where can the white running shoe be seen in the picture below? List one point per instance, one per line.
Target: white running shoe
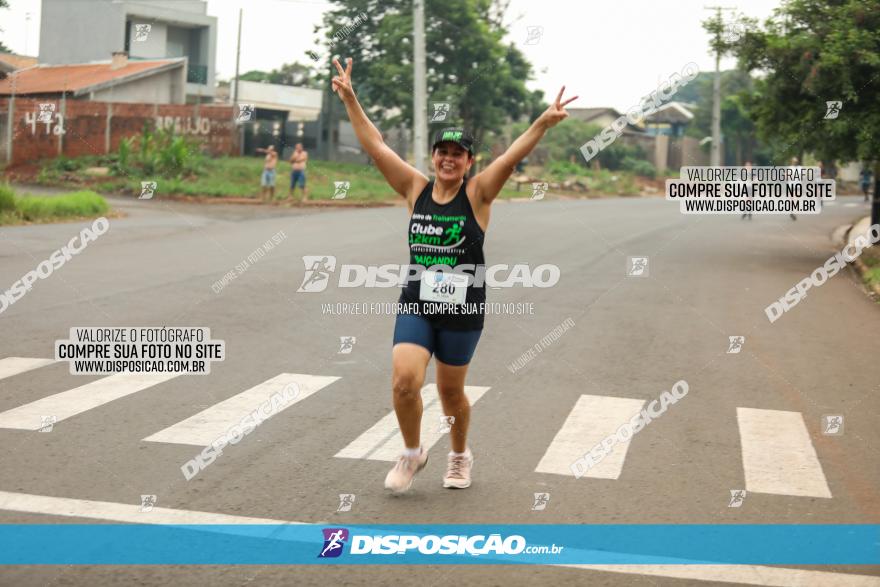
(400, 478)
(458, 471)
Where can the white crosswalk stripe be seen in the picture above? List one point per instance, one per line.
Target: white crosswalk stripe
(15, 365)
(777, 453)
(778, 456)
(383, 442)
(208, 425)
(80, 399)
(593, 418)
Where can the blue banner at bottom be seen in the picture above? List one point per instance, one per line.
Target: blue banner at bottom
(309, 544)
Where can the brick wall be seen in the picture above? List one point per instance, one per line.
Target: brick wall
(82, 127)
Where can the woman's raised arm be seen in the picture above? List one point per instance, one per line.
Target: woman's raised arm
(490, 181)
(400, 175)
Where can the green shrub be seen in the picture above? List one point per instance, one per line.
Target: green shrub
(7, 198)
(639, 167)
(613, 156)
(48, 175)
(66, 164)
(564, 169)
(164, 154)
(123, 157)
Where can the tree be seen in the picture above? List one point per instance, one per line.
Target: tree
(467, 63)
(813, 52)
(289, 74)
(736, 119)
(4, 48)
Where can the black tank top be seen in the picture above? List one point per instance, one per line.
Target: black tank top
(447, 234)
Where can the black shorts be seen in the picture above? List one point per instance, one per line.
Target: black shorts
(453, 347)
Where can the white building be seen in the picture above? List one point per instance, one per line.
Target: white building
(84, 31)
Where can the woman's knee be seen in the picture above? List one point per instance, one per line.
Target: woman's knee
(406, 383)
(452, 393)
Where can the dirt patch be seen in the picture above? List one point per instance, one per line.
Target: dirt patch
(651, 187)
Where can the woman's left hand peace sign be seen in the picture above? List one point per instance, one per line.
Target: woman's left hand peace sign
(341, 84)
(556, 112)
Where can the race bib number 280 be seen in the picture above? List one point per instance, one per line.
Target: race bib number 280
(437, 286)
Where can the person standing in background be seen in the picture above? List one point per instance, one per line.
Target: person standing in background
(748, 166)
(298, 160)
(267, 179)
(865, 181)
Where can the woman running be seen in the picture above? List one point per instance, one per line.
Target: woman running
(448, 220)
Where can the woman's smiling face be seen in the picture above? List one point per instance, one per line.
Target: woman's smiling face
(451, 161)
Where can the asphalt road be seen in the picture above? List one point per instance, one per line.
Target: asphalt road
(709, 278)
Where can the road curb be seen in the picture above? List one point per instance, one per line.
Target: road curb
(840, 234)
(841, 237)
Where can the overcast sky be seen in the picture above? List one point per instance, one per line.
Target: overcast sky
(609, 52)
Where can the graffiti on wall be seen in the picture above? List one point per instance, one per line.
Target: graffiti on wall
(53, 121)
(188, 125)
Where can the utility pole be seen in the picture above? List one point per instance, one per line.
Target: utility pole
(332, 121)
(420, 115)
(237, 56)
(875, 201)
(715, 152)
(235, 111)
(10, 118)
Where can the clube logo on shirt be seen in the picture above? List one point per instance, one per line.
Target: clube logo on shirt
(433, 233)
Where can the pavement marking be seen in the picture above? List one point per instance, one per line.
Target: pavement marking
(14, 365)
(208, 425)
(778, 455)
(80, 399)
(850, 205)
(130, 513)
(742, 574)
(592, 418)
(383, 442)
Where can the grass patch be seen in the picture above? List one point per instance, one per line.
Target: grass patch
(871, 259)
(15, 209)
(236, 177)
(872, 276)
(239, 177)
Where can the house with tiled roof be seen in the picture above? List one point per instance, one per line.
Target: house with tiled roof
(10, 62)
(160, 81)
(669, 119)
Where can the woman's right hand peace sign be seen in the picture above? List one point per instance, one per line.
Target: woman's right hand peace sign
(342, 83)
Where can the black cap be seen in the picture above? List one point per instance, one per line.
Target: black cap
(458, 136)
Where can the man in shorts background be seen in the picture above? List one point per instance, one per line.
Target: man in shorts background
(267, 179)
(298, 160)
